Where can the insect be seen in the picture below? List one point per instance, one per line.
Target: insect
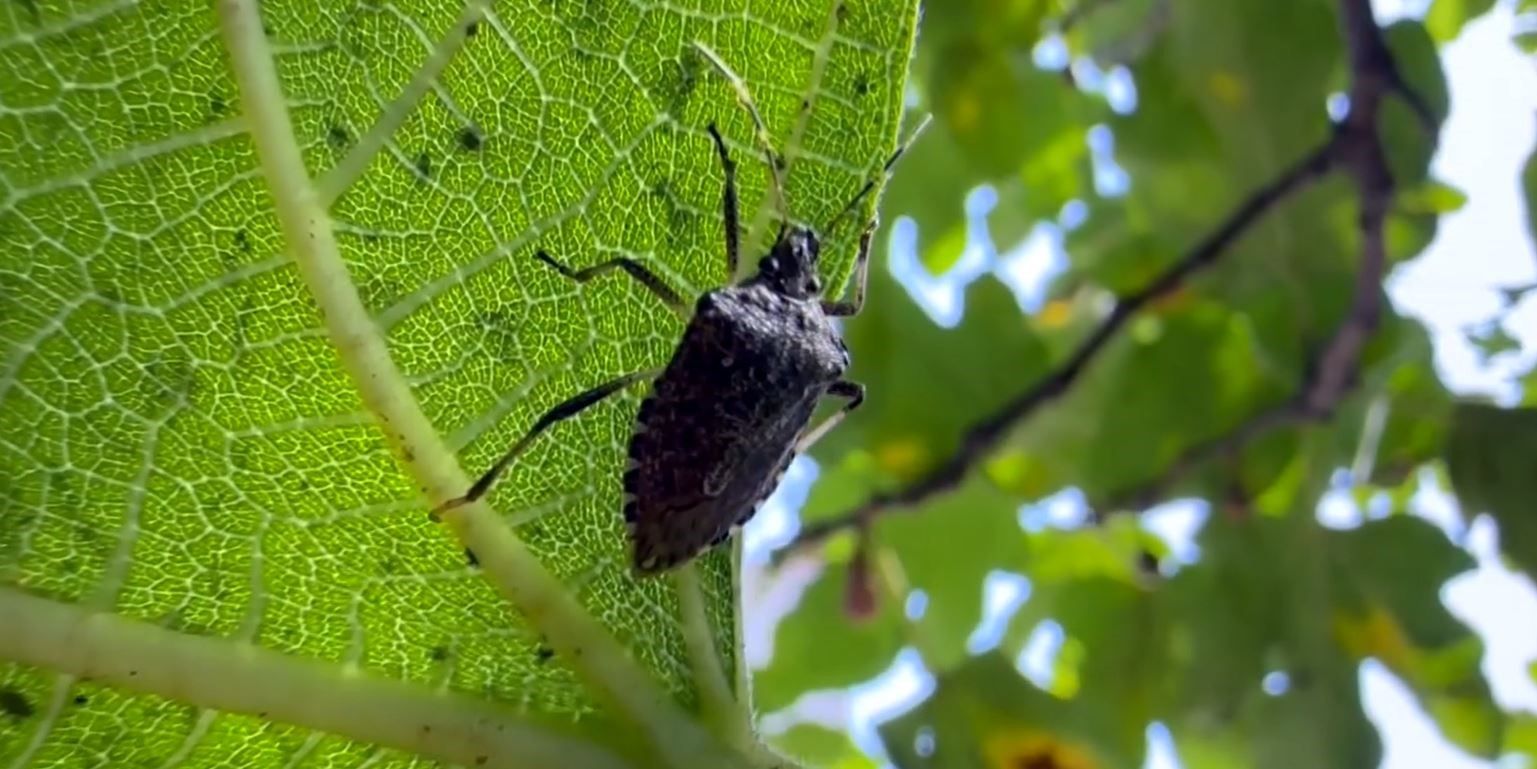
(733, 406)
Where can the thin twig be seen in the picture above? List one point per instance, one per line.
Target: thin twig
(985, 435)
(1353, 148)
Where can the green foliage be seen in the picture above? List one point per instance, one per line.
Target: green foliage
(1278, 597)
(1195, 397)
(1491, 456)
(821, 747)
(1529, 187)
(903, 441)
(985, 715)
(184, 461)
(1446, 17)
(997, 120)
(179, 445)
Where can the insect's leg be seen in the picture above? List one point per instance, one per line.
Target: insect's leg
(744, 97)
(728, 203)
(862, 262)
(885, 172)
(861, 277)
(569, 408)
(635, 269)
(854, 392)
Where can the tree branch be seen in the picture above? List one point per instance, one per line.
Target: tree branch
(1334, 372)
(1354, 148)
(982, 437)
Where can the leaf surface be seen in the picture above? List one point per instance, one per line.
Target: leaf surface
(178, 443)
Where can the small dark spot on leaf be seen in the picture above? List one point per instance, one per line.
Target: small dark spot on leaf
(81, 699)
(677, 87)
(533, 530)
(481, 760)
(217, 105)
(13, 704)
(389, 566)
(243, 241)
(544, 653)
(438, 653)
(470, 558)
(472, 29)
(862, 84)
(133, 674)
(470, 138)
(423, 165)
(409, 454)
(842, 11)
(337, 137)
(261, 714)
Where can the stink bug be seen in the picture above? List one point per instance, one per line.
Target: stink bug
(733, 407)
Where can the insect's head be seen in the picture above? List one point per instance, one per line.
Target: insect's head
(790, 268)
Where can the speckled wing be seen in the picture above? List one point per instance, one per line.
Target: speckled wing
(709, 446)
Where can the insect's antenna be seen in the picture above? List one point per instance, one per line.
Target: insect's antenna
(744, 97)
(885, 172)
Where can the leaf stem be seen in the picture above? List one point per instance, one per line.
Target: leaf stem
(604, 664)
(335, 182)
(893, 580)
(1365, 460)
(763, 216)
(241, 678)
(740, 675)
(720, 708)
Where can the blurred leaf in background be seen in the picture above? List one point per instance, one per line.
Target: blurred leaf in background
(1208, 334)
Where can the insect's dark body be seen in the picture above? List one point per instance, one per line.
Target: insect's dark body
(715, 435)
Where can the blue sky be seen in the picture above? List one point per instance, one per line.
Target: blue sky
(1452, 288)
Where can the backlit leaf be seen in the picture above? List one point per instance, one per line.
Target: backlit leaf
(177, 441)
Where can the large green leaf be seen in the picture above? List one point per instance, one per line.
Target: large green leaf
(178, 444)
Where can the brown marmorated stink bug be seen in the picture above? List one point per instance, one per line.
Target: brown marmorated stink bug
(733, 407)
